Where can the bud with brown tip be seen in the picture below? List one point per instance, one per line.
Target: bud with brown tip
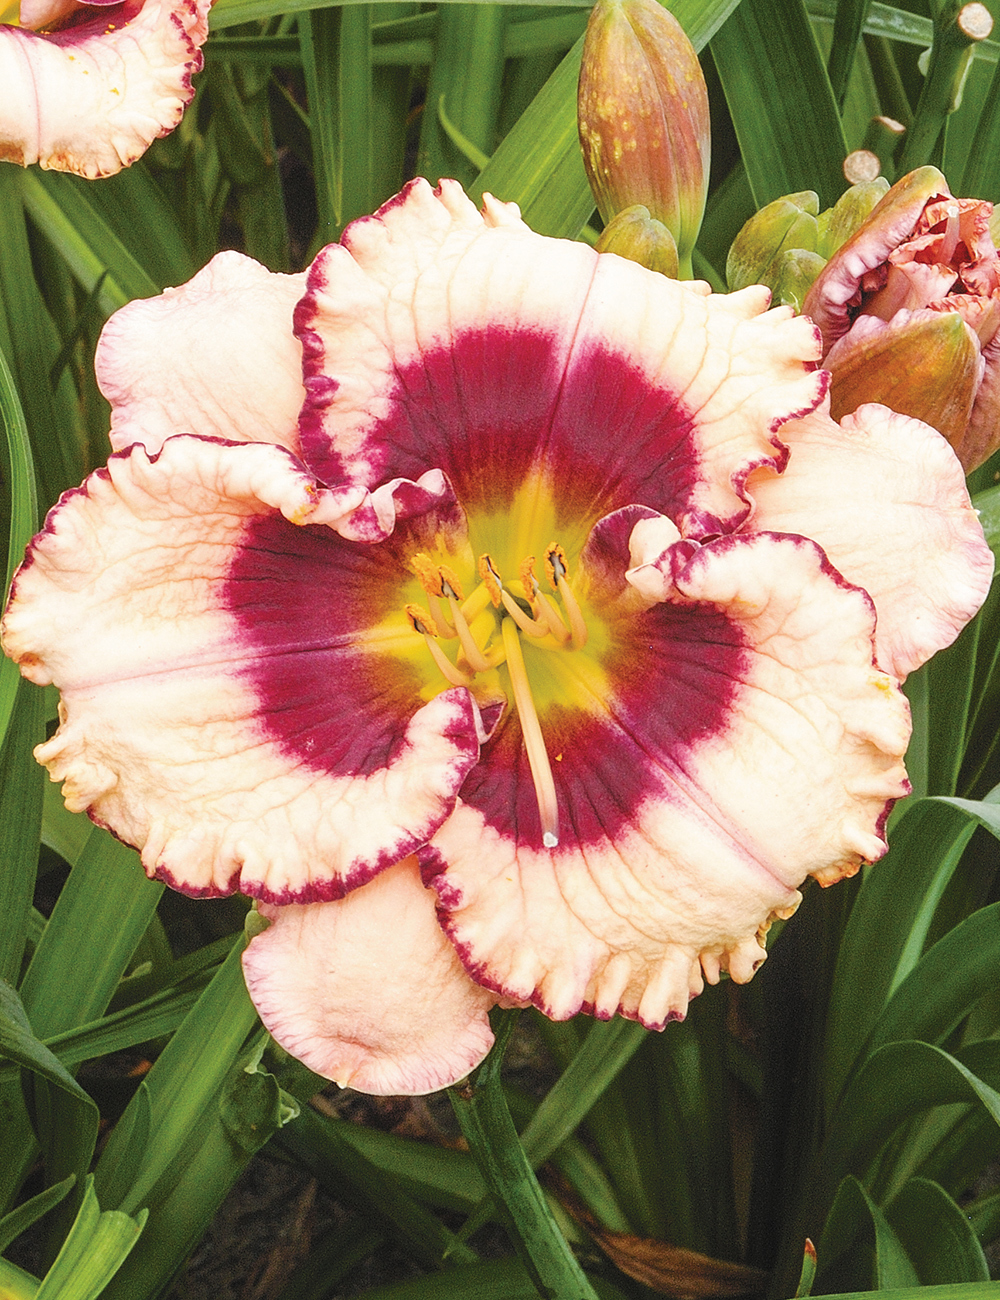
(643, 118)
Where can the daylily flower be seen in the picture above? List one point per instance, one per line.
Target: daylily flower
(88, 87)
(909, 309)
(536, 660)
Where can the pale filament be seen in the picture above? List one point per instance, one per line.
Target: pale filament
(527, 625)
(552, 618)
(441, 624)
(477, 661)
(531, 730)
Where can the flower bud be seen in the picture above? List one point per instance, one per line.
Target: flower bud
(639, 237)
(837, 224)
(927, 366)
(790, 276)
(643, 118)
(788, 222)
(909, 311)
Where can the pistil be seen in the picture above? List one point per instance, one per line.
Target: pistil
(531, 730)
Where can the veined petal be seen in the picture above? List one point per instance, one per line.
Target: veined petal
(436, 335)
(91, 97)
(885, 497)
(215, 357)
(224, 707)
(746, 741)
(367, 990)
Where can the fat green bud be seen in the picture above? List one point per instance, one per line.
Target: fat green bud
(791, 275)
(641, 238)
(788, 222)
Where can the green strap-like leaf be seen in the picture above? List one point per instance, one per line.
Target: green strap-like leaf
(888, 927)
(937, 1234)
(781, 101)
(66, 1117)
(859, 1246)
(18, 482)
(19, 1220)
(97, 1245)
(486, 1123)
(71, 978)
(897, 1082)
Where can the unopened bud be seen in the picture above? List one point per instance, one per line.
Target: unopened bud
(643, 118)
(639, 237)
(791, 275)
(788, 222)
(836, 225)
(926, 366)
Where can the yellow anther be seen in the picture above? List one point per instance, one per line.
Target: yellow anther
(435, 580)
(528, 580)
(450, 585)
(423, 624)
(556, 567)
(557, 572)
(428, 574)
(491, 579)
(421, 620)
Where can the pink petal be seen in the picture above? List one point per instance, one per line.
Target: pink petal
(837, 288)
(215, 356)
(758, 745)
(367, 991)
(434, 335)
(885, 497)
(91, 97)
(234, 753)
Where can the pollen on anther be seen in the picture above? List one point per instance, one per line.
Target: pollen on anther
(556, 567)
(429, 574)
(450, 585)
(421, 620)
(490, 579)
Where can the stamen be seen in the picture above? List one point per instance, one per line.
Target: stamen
(550, 616)
(534, 744)
(526, 624)
(491, 579)
(477, 660)
(450, 585)
(422, 623)
(432, 578)
(557, 572)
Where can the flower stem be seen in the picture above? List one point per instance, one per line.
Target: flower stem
(485, 1121)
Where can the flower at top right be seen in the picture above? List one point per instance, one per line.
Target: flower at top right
(909, 311)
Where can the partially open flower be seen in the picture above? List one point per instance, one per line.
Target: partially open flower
(88, 87)
(909, 309)
(540, 662)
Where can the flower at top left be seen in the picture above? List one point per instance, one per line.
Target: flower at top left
(87, 88)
